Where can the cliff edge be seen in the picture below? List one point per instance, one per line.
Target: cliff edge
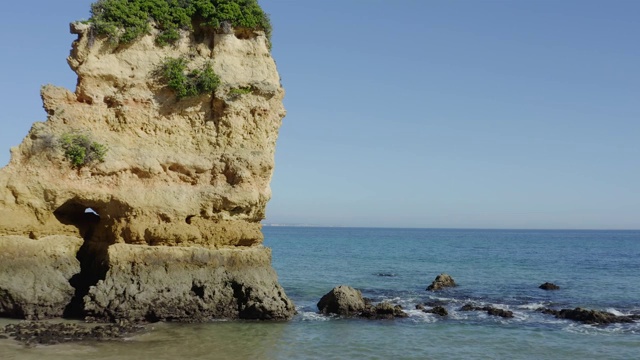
(132, 201)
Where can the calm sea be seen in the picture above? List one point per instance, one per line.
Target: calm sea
(502, 268)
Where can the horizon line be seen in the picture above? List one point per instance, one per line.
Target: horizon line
(439, 228)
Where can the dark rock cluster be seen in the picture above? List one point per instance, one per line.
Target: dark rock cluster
(41, 333)
(346, 301)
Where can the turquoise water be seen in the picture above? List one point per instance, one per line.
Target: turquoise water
(502, 268)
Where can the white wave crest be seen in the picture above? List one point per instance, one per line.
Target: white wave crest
(313, 316)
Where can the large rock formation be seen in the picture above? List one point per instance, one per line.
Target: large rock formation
(179, 197)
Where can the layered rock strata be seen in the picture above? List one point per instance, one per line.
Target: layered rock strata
(168, 225)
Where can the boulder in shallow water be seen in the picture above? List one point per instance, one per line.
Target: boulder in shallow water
(441, 281)
(342, 300)
(549, 286)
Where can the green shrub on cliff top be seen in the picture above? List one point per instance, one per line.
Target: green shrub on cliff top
(126, 20)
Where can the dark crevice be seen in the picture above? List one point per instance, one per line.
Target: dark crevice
(151, 317)
(198, 290)
(245, 309)
(92, 255)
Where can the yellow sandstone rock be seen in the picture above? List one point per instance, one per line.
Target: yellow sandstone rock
(181, 180)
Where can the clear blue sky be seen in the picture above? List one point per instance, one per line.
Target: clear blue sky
(416, 113)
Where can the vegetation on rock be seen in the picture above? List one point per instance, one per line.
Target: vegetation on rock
(126, 20)
(241, 91)
(80, 150)
(173, 72)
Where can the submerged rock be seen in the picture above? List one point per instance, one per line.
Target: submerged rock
(441, 281)
(437, 310)
(549, 286)
(489, 309)
(587, 316)
(382, 311)
(342, 300)
(32, 333)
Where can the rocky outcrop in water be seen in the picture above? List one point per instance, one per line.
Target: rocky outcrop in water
(549, 286)
(167, 226)
(441, 281)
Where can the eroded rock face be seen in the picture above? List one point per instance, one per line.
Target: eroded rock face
(35, 275)
(191, 173)
(188, 284)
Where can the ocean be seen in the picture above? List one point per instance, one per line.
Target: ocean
(501, 268)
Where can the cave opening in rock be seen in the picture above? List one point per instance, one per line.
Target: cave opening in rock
(92, 254)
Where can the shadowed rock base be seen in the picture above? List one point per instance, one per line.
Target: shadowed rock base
(188, 284)
(53, 277)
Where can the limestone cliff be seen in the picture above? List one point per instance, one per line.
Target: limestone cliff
(178, 198)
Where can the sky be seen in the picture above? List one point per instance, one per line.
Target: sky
(418, 113)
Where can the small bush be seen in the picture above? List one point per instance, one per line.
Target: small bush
(173, 72)
(80, 150)
(240, 91)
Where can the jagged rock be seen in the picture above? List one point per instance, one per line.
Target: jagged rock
(469, 307)
(342, 300)
(37, 289)
(178, 198)
(548, 311)
(489, 309)
(499, 312)
(441, 281)
(438, 310)
(420, 307)
(382, 311)
(549, 286)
